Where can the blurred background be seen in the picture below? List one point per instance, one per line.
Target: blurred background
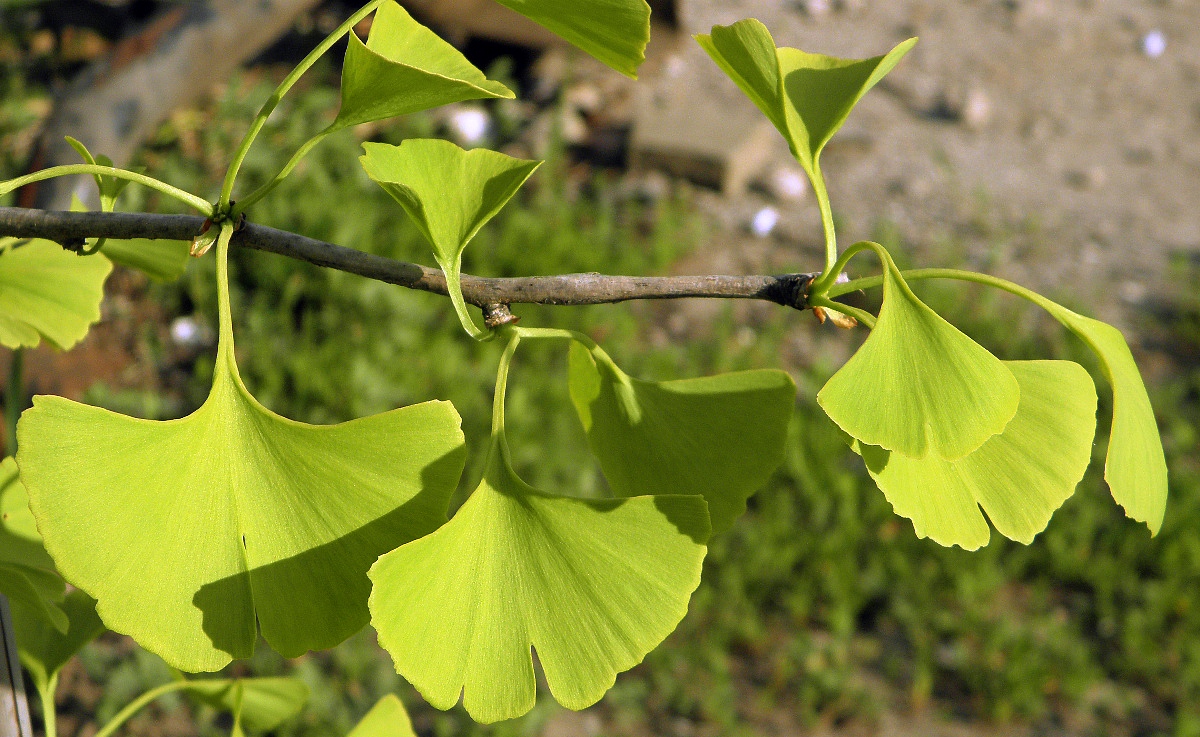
(1052, 142)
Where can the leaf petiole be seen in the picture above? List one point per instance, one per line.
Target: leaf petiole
(140, 703)
(95, 170)
(276, 97)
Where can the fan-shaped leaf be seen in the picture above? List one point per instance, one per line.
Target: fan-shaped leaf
(614, 31)
(592, 585)
(1135, 469)
(44, 650)
(27, 574)
(262, 704)
(388, 718)
(1019, 477)
(822, 90)
(918, 384)
(405, 67)
(46, 292)
(806, 96)
(448, 192)
(720, 436)
(187, 532)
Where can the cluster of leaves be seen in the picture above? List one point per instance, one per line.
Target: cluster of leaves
(254, 524)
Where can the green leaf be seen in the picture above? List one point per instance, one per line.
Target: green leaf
(48, 293)
(161, 260)
(806, 96)
(593, 585)
(1135, 469)
(720, 436)
(20, 542)
(614, 31)
(110, 187)
(27, 574)
(822, 90)
(405, 67)
(449, 193)
(188, 532)
(746, 52)
(388, 718)
(1019, 477)
(44, 650)
(28, 588)
(918, 384)
(262, 704)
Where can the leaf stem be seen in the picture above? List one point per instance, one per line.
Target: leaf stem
(244, 203)
(14, 399)
(138, 704)
(866, 318)
(827, 224)
(499, 443)
(49, 707)
(958, 274)
(225, 350)
(454, 291)
(268, 107)
(94, 169)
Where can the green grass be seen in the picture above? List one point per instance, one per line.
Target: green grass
(820, 604)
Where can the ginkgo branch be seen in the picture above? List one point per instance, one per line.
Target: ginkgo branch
(789, 290)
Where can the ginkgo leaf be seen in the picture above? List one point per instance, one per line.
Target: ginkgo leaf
(822, 90)
(719, 436)
(746, 52)
(20, 542)
(388, 718)
(806, 96)
(44, 650)
(614, 31)
(27, 574)
(48, 293)
(1019, 477)
(187, 532)
(405, 67)
(449, 193)
(262, 704)
(592, 585)
(1135, 468)
(918, 385)
(161, 260)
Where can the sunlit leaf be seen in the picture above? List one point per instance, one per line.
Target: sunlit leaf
(448, 192)
(820, 92)
(746, 52)
(27, 574)
(807, 97)
(388, 718)
(1019, 477)
(718, 436)
(405, 67)
(1135, 469)
(48, 293)
(261, 703)
(188, 532)
(592, 585)
(918, 385)
(44, 650)
(614, 31)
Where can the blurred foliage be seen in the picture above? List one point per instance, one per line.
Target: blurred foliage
(820, 606)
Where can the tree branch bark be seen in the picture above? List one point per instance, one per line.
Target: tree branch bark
(788, 290)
